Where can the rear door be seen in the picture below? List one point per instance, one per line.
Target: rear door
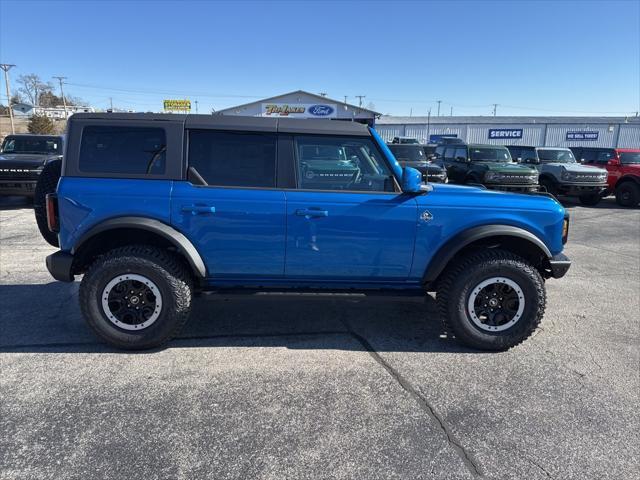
(346, 221)
(230, 206)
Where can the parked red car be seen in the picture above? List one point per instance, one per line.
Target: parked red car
(623, 165)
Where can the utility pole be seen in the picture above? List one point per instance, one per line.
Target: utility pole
(439, 102)
(451, 113)
(64, 102)
(196, 102)
(495, 107)
(429, 126)
(345, 99)
(323, 94)
(6, 67)
(360, 97)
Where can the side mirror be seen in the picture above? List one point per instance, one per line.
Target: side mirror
(412, 181)
(519, 159)
(531, 160)
(462, 159)
(613, 162)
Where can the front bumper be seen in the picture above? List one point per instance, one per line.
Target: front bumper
(17, 187)
(576, 189)
(59, 265)
(513, 188)
(559, 265)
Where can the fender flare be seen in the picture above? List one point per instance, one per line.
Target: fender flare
(628, 177)
(447, 251)
(179, 240)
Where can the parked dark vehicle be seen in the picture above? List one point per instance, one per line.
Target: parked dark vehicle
(489, 165)
(451, 141)
(413, 156)
(623, 168)
(148, 221)
(560, 174)
(405, 140)
(430, 150)
(22, 158)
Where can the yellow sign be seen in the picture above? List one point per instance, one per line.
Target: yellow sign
(177, 105)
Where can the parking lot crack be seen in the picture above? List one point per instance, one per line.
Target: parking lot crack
(466, 457)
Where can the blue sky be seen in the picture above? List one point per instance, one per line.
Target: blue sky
(532, 58)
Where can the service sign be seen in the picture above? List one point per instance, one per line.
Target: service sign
(582, 136)
(177, 105)
(504, 133)
(300, 110)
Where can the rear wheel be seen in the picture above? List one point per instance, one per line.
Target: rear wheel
(628, 194)
(47, 183)
(136, 297)
(591, 199)
(491, 300)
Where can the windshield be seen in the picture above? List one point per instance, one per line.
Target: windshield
(556, 156)
(488, 154)
(407, 153)
(629, 157)
(26, 144)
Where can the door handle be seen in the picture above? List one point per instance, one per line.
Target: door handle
(310, 212)
(198, 209)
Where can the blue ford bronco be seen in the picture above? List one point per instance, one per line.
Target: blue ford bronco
(152, 209)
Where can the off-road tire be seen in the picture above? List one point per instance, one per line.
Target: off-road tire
(549, 186)
(163, 268)
(628, 194)
(458, 281)
(590, 200)
(47, 183)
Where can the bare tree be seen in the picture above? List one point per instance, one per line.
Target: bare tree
(32, 87)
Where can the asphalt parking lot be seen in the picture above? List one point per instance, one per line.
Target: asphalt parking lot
(325, 386)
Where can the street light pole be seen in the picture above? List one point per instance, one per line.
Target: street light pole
(64, 102)
(6, 67)
(439, 102)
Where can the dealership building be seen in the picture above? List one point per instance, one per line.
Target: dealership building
(623, 132)
(301, 104)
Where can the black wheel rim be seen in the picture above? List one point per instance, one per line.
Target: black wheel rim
(131, 302)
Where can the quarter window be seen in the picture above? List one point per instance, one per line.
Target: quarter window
(341, 163)
(234, 159)
(123, 150)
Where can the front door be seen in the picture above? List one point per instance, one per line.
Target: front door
(230, 209)
(346, 221)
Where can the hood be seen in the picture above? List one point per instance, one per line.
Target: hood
(508, 167)
(447, 194)
(24, 160)
(577, 168)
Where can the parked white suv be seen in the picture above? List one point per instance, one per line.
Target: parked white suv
(560, 174)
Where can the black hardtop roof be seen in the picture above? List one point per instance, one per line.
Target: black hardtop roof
(478, 145)
(232, 122)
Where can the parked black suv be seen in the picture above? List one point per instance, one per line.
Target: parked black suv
(22, 158)
(410, 155)
(489, 165)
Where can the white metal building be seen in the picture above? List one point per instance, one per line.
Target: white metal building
(301, 104)
(623, 132)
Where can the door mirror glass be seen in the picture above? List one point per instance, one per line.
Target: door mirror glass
(412, 181)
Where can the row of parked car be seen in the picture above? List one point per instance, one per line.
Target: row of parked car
(589, 173)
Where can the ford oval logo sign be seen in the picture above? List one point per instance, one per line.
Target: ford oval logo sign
(320, 110)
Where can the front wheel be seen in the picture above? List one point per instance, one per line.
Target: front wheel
(590, 199)
(136, 297)
(492, 300)
(628, 194)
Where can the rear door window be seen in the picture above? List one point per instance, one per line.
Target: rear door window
(123, 150)
(234, 159)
